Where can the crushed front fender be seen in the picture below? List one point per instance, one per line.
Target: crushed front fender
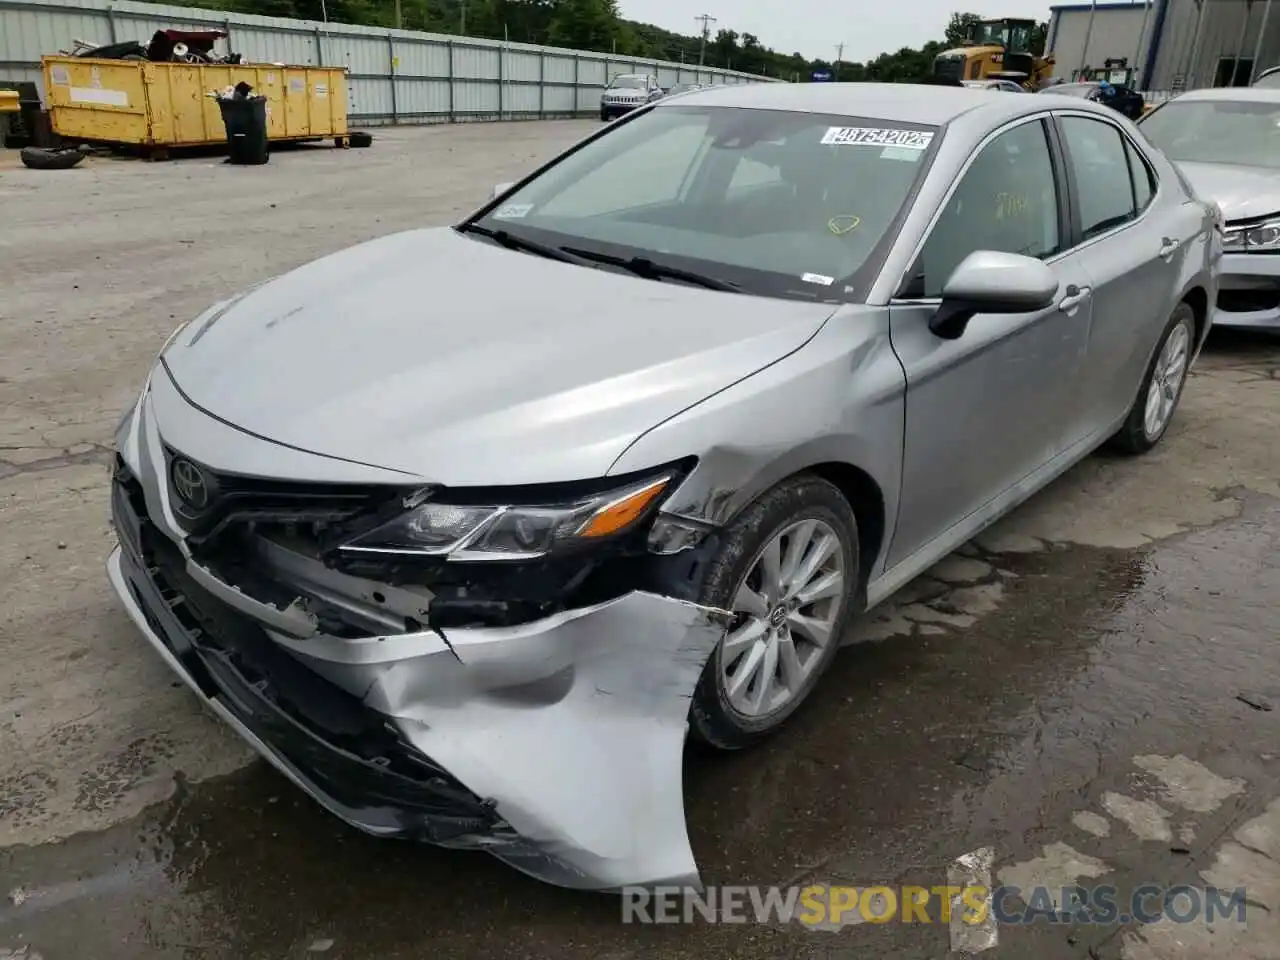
(574, 726)
(560, 742)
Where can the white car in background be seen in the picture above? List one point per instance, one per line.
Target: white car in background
(1226, 142)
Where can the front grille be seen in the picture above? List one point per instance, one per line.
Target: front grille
(949, 68)
(354, 753)
(237, 497)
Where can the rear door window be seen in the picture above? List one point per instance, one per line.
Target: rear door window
(1097, 156)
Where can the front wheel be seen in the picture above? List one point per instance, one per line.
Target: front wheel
(1161, 388)
(786, 570)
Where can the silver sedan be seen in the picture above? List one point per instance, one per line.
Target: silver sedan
(467, 529)
(1226, 141)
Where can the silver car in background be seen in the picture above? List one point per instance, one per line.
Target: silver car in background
(626, 92)
(997, 86)
(1226, 142)
(470, 567)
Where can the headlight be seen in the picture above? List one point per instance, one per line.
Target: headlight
(508, 531)
(1263, 237)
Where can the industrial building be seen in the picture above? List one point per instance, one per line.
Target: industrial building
(1166, 46)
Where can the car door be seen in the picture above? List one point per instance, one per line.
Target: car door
(985, 411)
(1130, 247)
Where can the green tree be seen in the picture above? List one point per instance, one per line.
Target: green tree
(584, 24)
(958, 27)
(595, 25)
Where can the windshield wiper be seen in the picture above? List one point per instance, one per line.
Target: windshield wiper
(644, 267)
(515, 242)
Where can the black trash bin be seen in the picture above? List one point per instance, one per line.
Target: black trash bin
(246, 121)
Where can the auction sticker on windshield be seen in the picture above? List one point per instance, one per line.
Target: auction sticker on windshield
(878, 137)
(513, 211)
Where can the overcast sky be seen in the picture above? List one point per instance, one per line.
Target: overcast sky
(814, 27)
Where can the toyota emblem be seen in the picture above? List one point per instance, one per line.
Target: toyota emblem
(190, 484)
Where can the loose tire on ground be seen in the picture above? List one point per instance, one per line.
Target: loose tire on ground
(360, 138)
(714, 722)
(1134, 437)
(44, 158)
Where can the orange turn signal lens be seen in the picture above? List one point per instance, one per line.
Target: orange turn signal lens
(621, 513)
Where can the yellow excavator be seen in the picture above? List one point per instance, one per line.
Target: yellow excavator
(996, 50)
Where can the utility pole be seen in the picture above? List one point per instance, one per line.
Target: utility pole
(706, 20)
(839, 56)
(399, 18)
(462, 30)
(1088, 35)
(1257, 49)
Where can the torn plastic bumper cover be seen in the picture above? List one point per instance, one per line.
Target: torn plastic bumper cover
(556, 745)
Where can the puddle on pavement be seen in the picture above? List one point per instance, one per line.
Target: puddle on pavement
(915, 750)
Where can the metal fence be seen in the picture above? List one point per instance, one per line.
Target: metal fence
(394, 76)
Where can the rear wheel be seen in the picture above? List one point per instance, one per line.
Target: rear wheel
(1161, 388)
(786, 570)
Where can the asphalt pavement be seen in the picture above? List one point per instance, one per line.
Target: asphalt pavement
(1088, 694)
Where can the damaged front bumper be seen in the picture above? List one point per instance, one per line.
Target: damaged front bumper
(556, 744)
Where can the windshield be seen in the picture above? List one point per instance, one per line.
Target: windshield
(1240, 132)
(778, 203)
(627, 83)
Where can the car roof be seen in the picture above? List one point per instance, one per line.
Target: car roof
(904, 102)
(1252, 94)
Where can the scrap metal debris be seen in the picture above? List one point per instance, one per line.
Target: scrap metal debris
(165, 46)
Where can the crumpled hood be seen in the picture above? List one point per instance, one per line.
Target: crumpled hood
(1241, 192)
(462, 362)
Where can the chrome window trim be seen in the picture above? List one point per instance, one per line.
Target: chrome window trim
(1155, 195)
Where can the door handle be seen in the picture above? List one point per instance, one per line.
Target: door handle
(1168, 247)
(1075, 296)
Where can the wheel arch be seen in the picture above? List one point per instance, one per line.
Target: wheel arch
(863, 492)
(1197, 298)
(867, 502)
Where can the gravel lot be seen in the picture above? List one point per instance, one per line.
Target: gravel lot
(1115, 617)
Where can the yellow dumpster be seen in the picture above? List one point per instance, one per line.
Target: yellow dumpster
(9, 101)
(161, 105)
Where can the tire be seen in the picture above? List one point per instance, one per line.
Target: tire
(42, 158)
(360, 139)
(1137, 436)
(715, 720)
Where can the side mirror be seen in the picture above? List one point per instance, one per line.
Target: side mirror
(987, 281)
(499, 189)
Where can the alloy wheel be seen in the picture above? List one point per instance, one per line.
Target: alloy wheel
(785, 611)
(1166, 381)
